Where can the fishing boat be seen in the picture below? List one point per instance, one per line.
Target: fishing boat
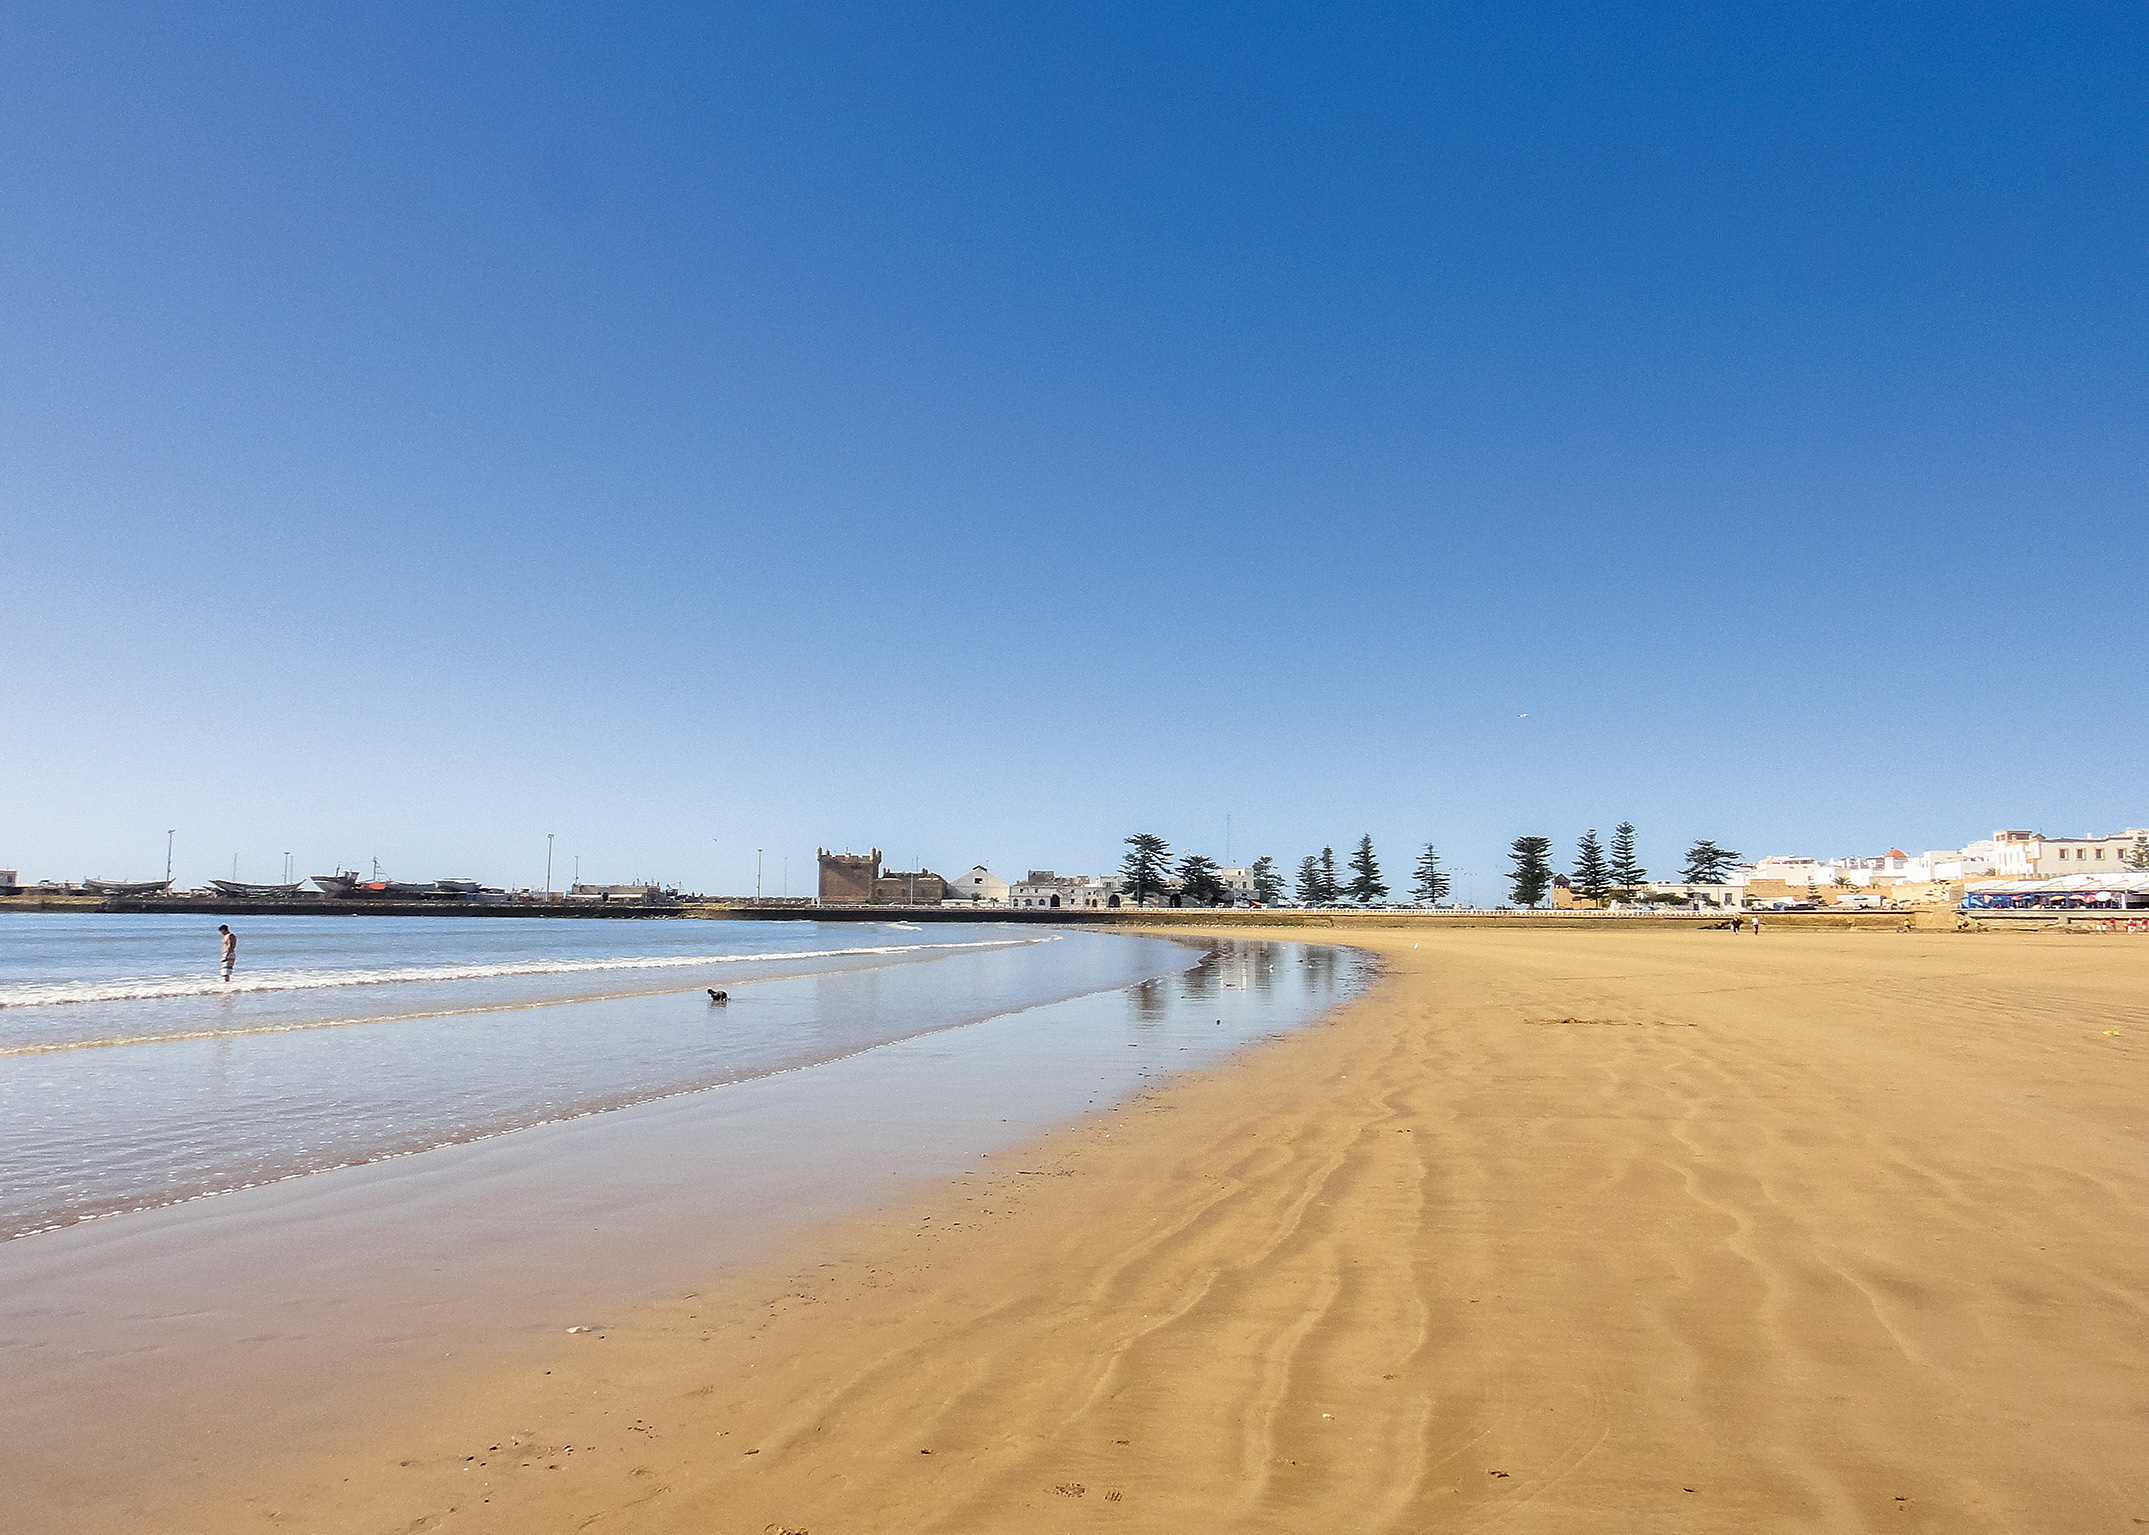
(244, 892)
(347, 886)
(126, 886)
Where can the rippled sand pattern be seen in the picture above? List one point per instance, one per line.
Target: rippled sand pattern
(1550, 1232)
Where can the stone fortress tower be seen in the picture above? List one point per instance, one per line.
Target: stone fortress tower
(855, 879)
(847, 878)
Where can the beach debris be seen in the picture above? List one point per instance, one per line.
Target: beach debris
(1496, 1473)
(1070, 1489)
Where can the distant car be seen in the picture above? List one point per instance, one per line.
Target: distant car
(1792, 906)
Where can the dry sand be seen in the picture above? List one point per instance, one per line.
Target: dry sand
(1553, 1230)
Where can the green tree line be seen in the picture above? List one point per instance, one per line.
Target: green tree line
(1599, 871)
(1148, 870)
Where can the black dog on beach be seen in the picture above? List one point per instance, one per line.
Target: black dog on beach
(718, 996)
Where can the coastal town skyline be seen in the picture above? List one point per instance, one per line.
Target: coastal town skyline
(733, 868)
(1422, 874)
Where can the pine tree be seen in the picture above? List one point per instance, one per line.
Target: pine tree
(1144, 867)
(1432, 884)
(1331, 892)
(1592, 874)
(1708, 864)
(1627, 871)
(1365, 887)
(1198, 884)
(1267, 883)
(1532, 857)
(1309, 880)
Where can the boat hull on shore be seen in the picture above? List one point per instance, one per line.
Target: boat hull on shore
(245, 892)
(126, 886)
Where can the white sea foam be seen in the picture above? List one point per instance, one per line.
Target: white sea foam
(145, 988)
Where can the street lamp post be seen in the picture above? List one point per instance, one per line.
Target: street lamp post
(757, 874)
(548, 862)
(168, 854)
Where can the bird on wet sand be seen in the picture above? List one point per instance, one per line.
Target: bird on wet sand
(718, 996)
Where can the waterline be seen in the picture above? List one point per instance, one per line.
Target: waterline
(144, 989)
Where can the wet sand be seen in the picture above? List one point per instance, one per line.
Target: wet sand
(1551, 1230)
(149, 1355)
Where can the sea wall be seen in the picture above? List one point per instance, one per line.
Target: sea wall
(731, 911)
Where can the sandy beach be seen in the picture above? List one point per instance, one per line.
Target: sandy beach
(1550, 1230)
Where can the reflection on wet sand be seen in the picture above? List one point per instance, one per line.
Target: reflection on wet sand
(145, 1346)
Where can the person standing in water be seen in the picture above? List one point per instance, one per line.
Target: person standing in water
(231, 948)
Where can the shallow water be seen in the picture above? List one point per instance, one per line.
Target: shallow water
(130, 1079)
(147, 1350)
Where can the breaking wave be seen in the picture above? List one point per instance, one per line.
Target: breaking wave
(147, 988)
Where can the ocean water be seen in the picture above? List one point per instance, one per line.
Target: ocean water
(132, 1076)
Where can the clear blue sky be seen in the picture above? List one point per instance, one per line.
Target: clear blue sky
(985, 431)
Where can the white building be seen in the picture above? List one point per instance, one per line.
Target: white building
(1042, 887)
(979, 887)
(1942, 866)
(1098, 892)
(1239, 885)
(1789, 869)
(2032, 855)
(1082, 892)
(2003, 855)
(1726, 894)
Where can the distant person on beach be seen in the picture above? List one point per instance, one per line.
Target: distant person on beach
(1757, 927)
(231, 948)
